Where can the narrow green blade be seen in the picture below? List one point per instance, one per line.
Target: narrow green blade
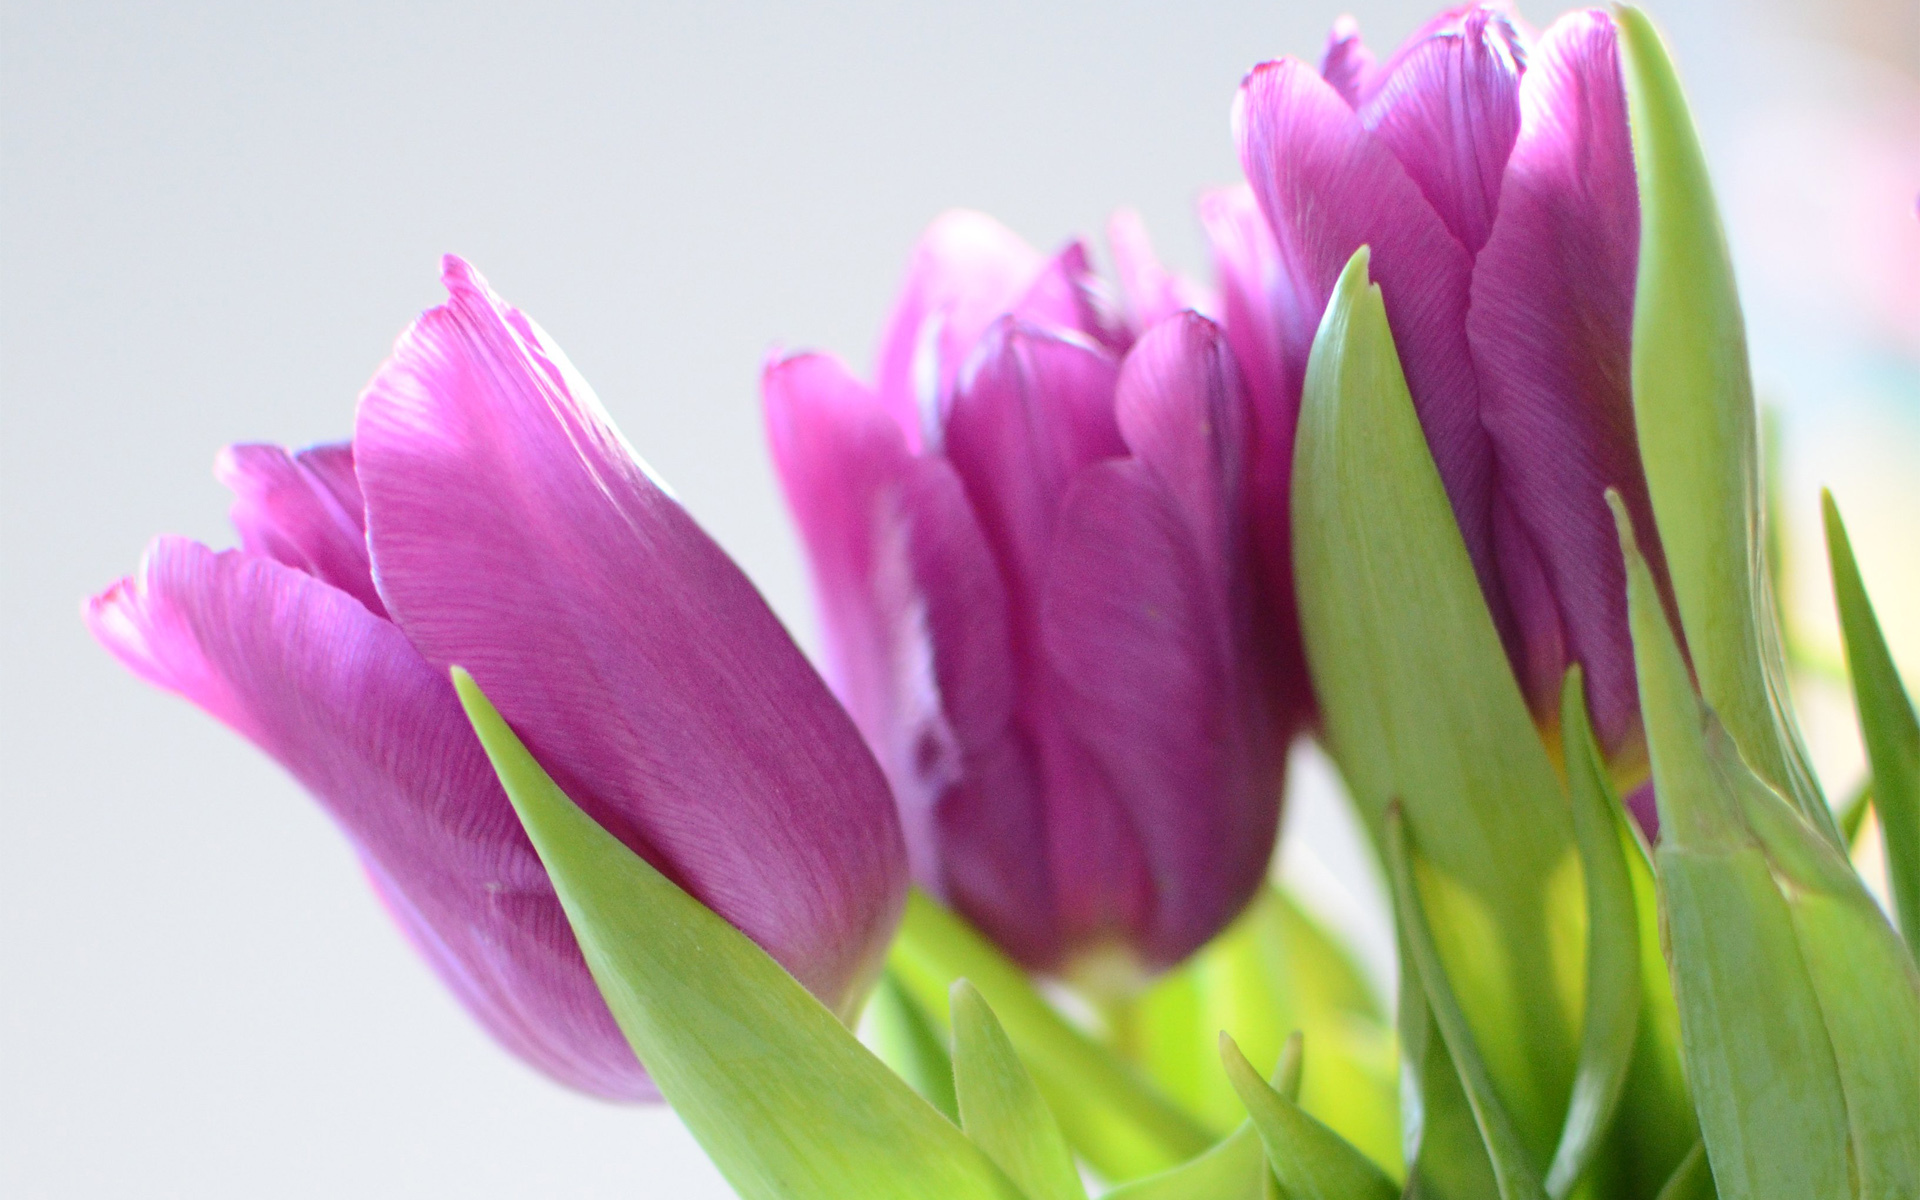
(1763, 1075)
(1852, 815)
(1273, 970)
(787, 1103)
(1311, 1161)
(1887, 725)
(906, 1039)
(1236, 1167)
(1421, 706)
(1115, 1119)
(1691, 1180)
(1513, 1174)
(1613, 949)
(1693, 407)
(1001, 1109)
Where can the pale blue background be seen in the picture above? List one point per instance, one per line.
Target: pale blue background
(216, 217)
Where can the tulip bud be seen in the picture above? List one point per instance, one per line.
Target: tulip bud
(1032, 580)
(488, 516)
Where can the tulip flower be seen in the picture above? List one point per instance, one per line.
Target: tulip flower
(487, 515)
(1029, 549)
(1494, 180)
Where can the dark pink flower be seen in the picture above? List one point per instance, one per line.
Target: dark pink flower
(1493, 178)
(1030, 549)
(488, 515)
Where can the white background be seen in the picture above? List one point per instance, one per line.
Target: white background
(215, 219)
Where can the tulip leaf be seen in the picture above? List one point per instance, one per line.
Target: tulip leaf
(1115, 1119)
(1421, 706)
(1764, 1080)
(1852, 816)
(1311, 1161)
(1234, 1169)
(1691, 1180)
(1001, 1109)
(787, 1103)
(1515, 1177)
(1273, 970)
(1887, 726)
(906, 1039)
(1613, 948)
(1693, 407)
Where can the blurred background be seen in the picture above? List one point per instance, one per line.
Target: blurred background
(214, 218)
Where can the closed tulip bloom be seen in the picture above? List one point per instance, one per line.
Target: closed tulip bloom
(1493, 178)
(487, 515)
(1029, 545)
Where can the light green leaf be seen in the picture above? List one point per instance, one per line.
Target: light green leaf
(1001, 1109)
(1273, 970)
(1693, 407)
(1887, 725)
(787, 1103)
(1236, 1167)
(1613, 948)
(1115, 1119)
(1862, 974)
(1852, 816)
(1763, 1075)
(1311, 1161)
(906, 1039)
(1515, 1176)
(1421, 706)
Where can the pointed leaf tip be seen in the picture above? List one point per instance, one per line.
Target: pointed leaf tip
(1001, 1109)
(787, 1103)
(1310, 1161)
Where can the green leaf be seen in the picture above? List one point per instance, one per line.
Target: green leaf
(1763, 1075)
(1236, 1167)
(1001, 1109)
(1421, 706)
(1691, 1180)
(1852, 817)
(1515, 1177)
(1273, 970)
(1612, 1020)
(1119, 1122)
(906, 1039)
(1311, 1161)
(1693, 407)
(1862, 975)
(1887, 725)
(787, 1103)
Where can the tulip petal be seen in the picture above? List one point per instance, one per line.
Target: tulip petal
(1069, 295)
(339, 698)
(302, 508)
(1551, 327)
(1449, 109)
(966, 270)
(515, 533)
(1328, 187)
(1035, 406)
(1347, 64)
(1152, 292)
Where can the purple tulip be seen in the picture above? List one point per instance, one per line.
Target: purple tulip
(1494, 181)
(1029, 544)
(488, 515)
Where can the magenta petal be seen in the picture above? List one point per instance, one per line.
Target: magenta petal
(1551, 327)
(1449, 109)
(1328, 187)
(1346, 63)
(1152, 292)
(1034, 407)
(1069, 296)
(966, 270)
(339, 697)
(516, 534)
(303, 509)
(1139, 633)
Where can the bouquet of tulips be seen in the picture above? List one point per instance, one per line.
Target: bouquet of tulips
(1454, 469)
